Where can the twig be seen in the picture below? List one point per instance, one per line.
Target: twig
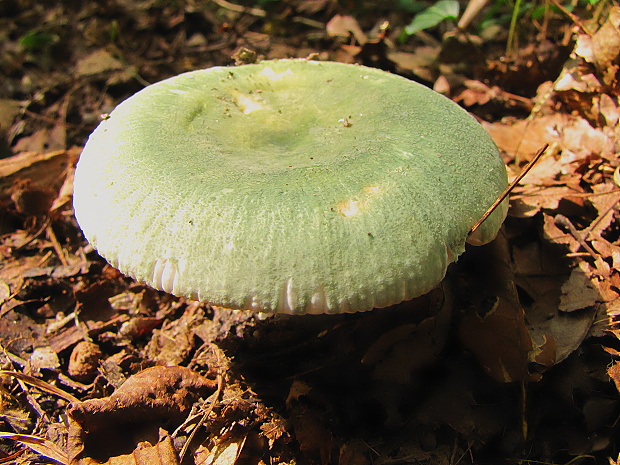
(308, 22)
(561, 220)
(12, 357)
(47, 119)
(203, 419)
(572, 17)
(33, 236)
(54, 240)
(471, 11)
(599, 219)
(40, 384)
(524, 422)
(509, 189)
(11, 458)
(240, 9)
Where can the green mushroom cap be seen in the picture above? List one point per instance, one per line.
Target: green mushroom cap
(288, 186)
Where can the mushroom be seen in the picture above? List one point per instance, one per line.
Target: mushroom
(288, 186)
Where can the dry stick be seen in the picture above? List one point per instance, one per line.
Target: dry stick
(57, 247)
(561, 220)
(510, 187)
(240, 9)
(471, 11)
(203, 419)
(575, 19)
(34, 236)
(14, 455)
(39, 384)
(524, 423)
(600, 218)
(308, 22)
(47, 119)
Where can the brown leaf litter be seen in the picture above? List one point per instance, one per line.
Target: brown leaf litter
(147, 401)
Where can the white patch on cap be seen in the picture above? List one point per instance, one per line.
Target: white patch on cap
(252, 303)
(345, 307)
(286, 303)
(349, 207)
(271, 74)
(354, 207)
(318, 302)
(247, 104)
(372, 190)
(165, 275)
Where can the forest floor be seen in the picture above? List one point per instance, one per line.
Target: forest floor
(513, 359)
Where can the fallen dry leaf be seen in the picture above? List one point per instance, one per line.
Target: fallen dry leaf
(608, 109)
(495, 331)
(573, 79)
(9, 109)
(345, 26)
(40, 384)
(398, 353)
(452, 402)
(477, 93)
(606, 45)
(606, 197)
(42, 358)
(528, 201)
(614, 374)
(581, 139)
(353, 453)
(298, 389)
(311, 6)
(100, 61)
(65, 193)
(274, 429)
(553, 234)
(523, 138)
(541, 275)
(162, 452)
(311, 432)
(422, 62)
(157, 396)
(31, 200)
(41, 446)
(48, 169)
(174, 341)
(35, 142)
(577, 292)
(225, 453)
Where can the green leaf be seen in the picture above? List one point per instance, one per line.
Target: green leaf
(411, 6)
(35, 41)
(432, 16)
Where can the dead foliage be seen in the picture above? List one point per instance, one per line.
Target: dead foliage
(134, 413)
